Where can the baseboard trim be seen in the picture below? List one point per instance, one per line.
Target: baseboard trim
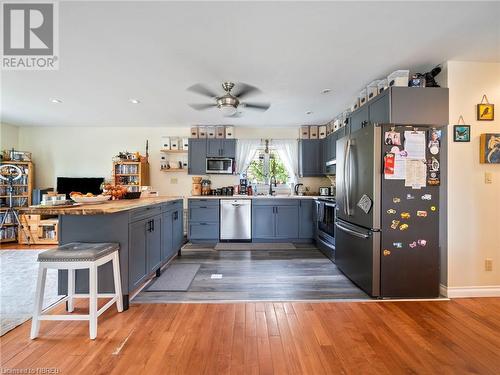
(443, 290)
(465, 291)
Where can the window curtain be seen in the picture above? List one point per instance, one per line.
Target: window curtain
(288, 151)
(245, 152)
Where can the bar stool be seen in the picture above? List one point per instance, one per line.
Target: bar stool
(73, 256)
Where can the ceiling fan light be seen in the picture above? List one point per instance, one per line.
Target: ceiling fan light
(227, 110)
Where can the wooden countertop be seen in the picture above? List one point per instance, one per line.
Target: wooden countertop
(109, 207)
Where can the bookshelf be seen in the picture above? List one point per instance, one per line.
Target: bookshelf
(131, 174)
(21, 197)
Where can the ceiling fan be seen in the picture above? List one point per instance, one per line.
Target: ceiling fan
(229, 102)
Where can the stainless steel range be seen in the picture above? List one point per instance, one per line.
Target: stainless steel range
(325, 225)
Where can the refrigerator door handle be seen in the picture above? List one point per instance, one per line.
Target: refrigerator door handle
(344, 186)
(347, 179)
(350, 231)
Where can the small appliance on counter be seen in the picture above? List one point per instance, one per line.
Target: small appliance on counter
(299, 189)
(325, 191)
(243, 186)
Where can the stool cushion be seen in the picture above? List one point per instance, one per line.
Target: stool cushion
(78, 252)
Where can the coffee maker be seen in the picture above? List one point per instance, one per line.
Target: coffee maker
(243, 190)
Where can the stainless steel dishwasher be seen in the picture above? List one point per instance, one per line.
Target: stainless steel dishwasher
(236, 219)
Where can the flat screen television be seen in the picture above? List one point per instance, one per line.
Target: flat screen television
(66, 185)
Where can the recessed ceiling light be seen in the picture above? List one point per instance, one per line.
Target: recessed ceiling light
(326, 91)
(55, 100)
(134, 101)
(309, 112)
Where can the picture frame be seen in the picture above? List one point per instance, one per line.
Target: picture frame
(489, 148)
(485, 110)
(461, 133)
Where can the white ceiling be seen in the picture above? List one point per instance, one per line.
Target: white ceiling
(153, 51)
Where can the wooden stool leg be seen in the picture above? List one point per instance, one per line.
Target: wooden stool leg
(117, 282)
(93, 301)
(40, 291)
(71, 289)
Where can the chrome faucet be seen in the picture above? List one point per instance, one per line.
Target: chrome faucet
(271, 191)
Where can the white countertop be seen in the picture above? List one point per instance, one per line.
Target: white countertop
(253, 197)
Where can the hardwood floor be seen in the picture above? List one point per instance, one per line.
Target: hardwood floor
(442, 337)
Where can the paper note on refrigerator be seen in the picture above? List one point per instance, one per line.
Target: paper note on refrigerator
(399, 169)
(415, 144)
(416, 173)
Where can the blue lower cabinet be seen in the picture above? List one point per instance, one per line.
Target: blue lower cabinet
(204, 231)
(167, 247)
(137, 252)
(178, 227)
(203, 220)
(306, 218)
(153, 244)
(263, 221)
(277, 221)
(287, 222)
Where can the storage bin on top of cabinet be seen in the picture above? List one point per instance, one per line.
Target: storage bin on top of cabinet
(399, 78)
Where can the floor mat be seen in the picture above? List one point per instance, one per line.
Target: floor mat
(18, 275)
(254, 246)
(176, 278)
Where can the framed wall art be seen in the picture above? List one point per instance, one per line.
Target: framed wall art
(485, 110)
(461, 133)
(489, 148)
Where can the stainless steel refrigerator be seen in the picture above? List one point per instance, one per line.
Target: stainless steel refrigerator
(387, 234)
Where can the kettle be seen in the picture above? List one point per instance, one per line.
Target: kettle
(296, 189)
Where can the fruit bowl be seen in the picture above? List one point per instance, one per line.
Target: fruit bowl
(90, 200)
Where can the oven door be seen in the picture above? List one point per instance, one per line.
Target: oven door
(219, 165)
(325, 228)
(326, 218)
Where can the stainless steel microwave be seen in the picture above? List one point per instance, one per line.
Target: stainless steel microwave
(220, 165)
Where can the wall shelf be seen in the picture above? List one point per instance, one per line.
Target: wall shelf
(174, 170)
(174, 151)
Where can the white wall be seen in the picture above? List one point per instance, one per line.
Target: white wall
(473, 206)
(8, 136)
(88, 152)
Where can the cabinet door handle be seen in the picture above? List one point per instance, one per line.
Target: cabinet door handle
(149, 226)
(152, 225)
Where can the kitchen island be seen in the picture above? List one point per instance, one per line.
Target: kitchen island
(149, 230)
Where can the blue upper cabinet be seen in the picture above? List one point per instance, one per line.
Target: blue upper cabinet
(359, 119)
(200, 149)
(197, 156)
(311, 157)
(224, 148)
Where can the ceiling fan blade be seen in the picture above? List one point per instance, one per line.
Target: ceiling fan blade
(201, 107)
(257, 106)
(202, 90)
(237, 114)
(242, 89)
